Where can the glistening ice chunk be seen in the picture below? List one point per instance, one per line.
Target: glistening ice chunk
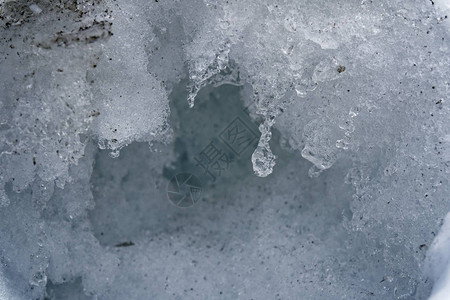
(263, 159)
(132, 103)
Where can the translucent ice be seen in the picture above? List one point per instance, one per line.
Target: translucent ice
(137, 110)
(351, 101)
(439, 262)
(263, 159)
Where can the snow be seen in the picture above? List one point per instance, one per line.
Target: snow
(342, 193)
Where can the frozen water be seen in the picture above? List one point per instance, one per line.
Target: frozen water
(352, 156)
(124, 60)
(439, 262)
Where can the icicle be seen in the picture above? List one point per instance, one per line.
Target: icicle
(263, 159)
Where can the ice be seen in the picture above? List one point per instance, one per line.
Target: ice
(345, 107)
(123, 60)
(46, 103)
(263, 159)
(438, 260)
